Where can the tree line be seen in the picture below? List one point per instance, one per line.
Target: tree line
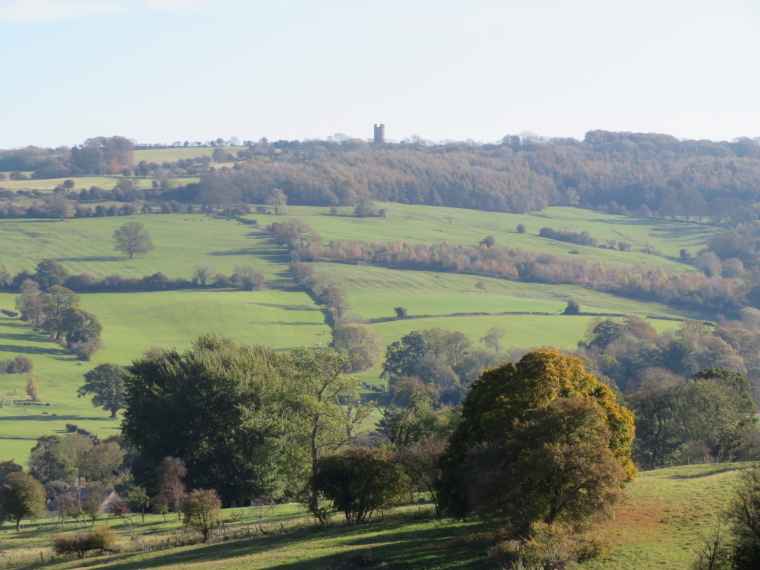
(617, 172)
(49, 272)
(652, 175)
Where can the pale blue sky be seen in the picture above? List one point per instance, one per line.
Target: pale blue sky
(166, 70)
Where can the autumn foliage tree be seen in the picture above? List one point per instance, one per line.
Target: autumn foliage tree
(541, 440)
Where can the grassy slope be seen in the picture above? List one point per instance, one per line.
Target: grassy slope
(180, 240)
(160, 155)
(374, 292)
(81, 182)
(667, 514)
(431, 224)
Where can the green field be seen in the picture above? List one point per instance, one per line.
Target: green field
(181, 240)
(81, 183)
(161, 155)
(432, 224)
(375, 291)
(662, 523)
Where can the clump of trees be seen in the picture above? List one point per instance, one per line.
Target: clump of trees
(358, 341)
(18, 365)
(275, 414)
(57, 312)
(580, 238)
(440, 359)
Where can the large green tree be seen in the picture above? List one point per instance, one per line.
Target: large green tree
(132, 238)
(57, 301)
(331, 403)
(22, 498)
(106, 383)
(517, 411)
(231, 413)
(49, 272)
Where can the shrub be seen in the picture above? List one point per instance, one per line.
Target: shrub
(8, 313)
(360, 481)
(71, 428)
(202, 511)
(400, 312)
(521, 228)
(101, 539)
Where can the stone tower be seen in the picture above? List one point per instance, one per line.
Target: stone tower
(380, 133)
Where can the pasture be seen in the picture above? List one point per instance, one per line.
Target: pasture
(85, 245)
(433, 224)
(161, 155)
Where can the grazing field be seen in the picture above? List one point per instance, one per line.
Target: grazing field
(181, 241)
(432, 224)
(661, 525)
(161, 155)
(374, 292)
(81, 183)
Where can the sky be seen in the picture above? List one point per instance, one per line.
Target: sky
(160, 71)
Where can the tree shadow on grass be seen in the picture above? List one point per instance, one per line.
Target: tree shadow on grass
(26, 337)
(723, 469)
(94, 258)
(15, 323)
(55, 351)
(51, 418)
(286, 307)
(287, 324)
(398, 546)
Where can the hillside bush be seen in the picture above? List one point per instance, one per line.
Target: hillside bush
(101, 539)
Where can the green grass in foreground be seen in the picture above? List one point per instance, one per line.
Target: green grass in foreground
(661, 525)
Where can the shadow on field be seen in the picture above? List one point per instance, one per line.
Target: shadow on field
(286, 324)
(93, 258)
(51, 418)
(245, 251)
(725, 469)
(397, 546)
(286, 307)
(683, 229)
(31, 349)
(8, 322)
(27, 337)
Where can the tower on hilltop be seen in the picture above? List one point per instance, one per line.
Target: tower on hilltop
(380, 133)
